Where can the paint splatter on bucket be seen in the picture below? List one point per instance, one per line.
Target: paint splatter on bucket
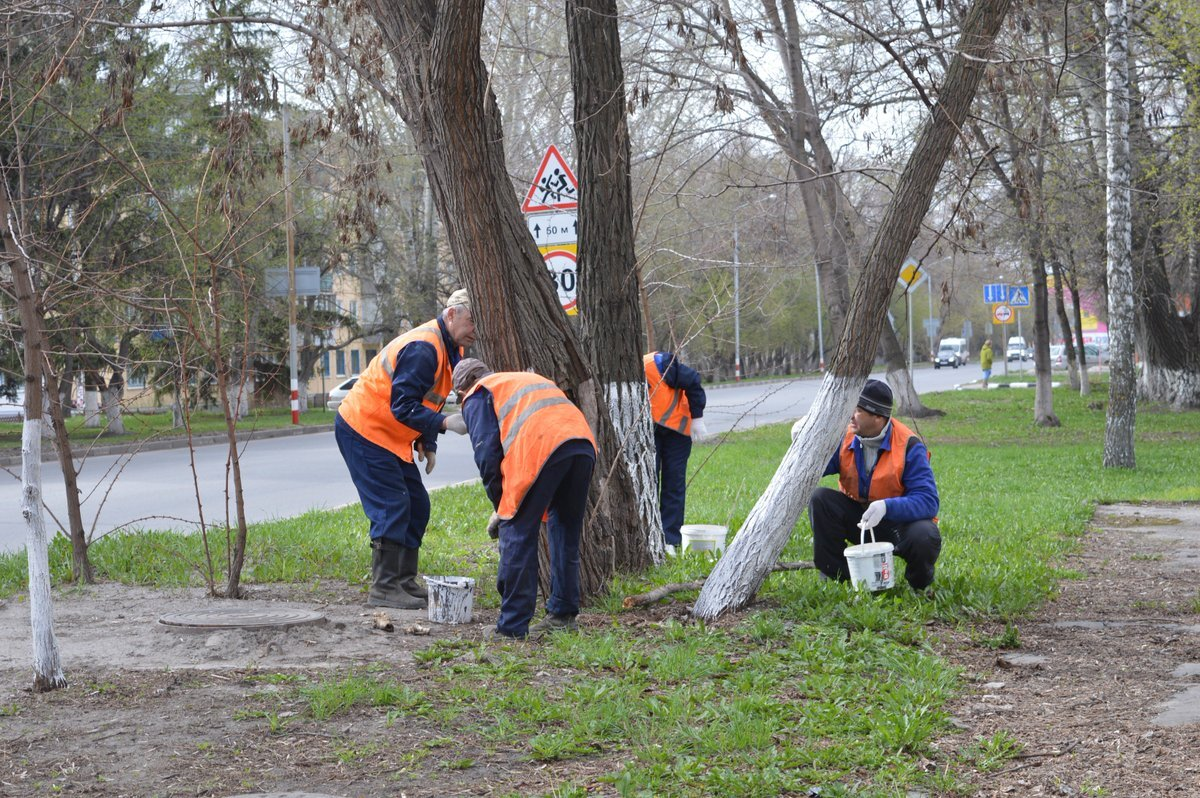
(871, 564)
(703, 537)
(451, 598)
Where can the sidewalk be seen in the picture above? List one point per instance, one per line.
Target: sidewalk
(12, 457)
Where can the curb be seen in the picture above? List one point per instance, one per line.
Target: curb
(50, 453)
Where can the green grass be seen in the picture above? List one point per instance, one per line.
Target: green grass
(153, 426)
(817, 685)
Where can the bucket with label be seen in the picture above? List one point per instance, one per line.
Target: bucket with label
(703, 537)
(871, 564)
(451, 598)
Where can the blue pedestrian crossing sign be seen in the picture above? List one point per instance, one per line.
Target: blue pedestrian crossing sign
(1018, 296)
(994, 293)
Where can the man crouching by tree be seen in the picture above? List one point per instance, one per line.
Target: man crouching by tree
(535, 453)
(886, 485)
(393, 410)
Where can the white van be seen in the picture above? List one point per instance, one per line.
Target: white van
(951, 352)
(1017, 349)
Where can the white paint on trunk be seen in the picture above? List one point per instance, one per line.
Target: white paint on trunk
(91, 409)
(239, 398)
(1175, 387)
(628, 408)
(47, 666)
(755, 549)
(904, 392)
(111, 404)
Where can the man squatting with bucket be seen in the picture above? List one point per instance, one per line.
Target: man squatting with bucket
(886, 485)
(535, 454)
(393, 411)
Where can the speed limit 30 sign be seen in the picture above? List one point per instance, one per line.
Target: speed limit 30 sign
(1002, 313)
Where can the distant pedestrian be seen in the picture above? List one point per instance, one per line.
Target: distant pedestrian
(985, 361)
(393, 411)
(677, 401)
(886, 485)
(535, 453)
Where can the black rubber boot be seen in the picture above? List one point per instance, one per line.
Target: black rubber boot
(408, 573)
(385, 578)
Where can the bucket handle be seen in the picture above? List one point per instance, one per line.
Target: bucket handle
(862, 533)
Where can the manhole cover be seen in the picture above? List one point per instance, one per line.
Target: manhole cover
(239, 618)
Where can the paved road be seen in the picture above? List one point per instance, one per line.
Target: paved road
(284, 477)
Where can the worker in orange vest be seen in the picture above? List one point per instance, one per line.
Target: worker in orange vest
(885, 485)
(677, 401)
(392, 412)
(535, 453)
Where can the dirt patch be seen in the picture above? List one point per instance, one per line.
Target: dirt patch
(1100, 697)
(1106, 699)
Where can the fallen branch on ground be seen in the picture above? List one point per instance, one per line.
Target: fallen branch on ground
(678, 587)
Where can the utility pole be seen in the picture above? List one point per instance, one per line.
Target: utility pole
(291, 261)
(737, 309)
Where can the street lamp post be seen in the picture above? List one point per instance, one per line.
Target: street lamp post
(737, 308)
(737, 295)
(820, 326)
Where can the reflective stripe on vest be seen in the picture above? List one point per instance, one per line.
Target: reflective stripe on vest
(368, 406)
(668, 406)
(887, 479)
(535, 418)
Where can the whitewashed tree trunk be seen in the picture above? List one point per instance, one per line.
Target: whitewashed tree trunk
(627, 406)
(1179, 387)
(755, 548)
(91, 409)
(47, 667)
(1122, 388)
(111, 404)
(240, 394)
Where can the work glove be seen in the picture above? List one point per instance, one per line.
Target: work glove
(428, 458)
(796, 427)
(494, 526)
(698, 428)
(875, 512)
(456, 423)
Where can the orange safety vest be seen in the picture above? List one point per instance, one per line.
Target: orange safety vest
(887, 478)
(535, 419)
(368, 406)
(669, 406)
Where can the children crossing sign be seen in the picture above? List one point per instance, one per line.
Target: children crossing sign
(554, 186)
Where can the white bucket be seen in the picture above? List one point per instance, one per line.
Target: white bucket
(871, 564)
(703, 537)
(450, 598)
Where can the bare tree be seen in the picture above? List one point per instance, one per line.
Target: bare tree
(610, 286)
(740, 572)
(1122, 390)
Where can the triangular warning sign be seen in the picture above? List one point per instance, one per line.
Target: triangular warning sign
(554, 187)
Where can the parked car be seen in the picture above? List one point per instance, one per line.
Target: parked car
(951, 352)
(13, 409)
(338, 393)
(1058, 355)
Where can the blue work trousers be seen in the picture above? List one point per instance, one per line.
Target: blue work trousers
(562, 489)
(671, 452)
(393, 497)
(835, 518)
